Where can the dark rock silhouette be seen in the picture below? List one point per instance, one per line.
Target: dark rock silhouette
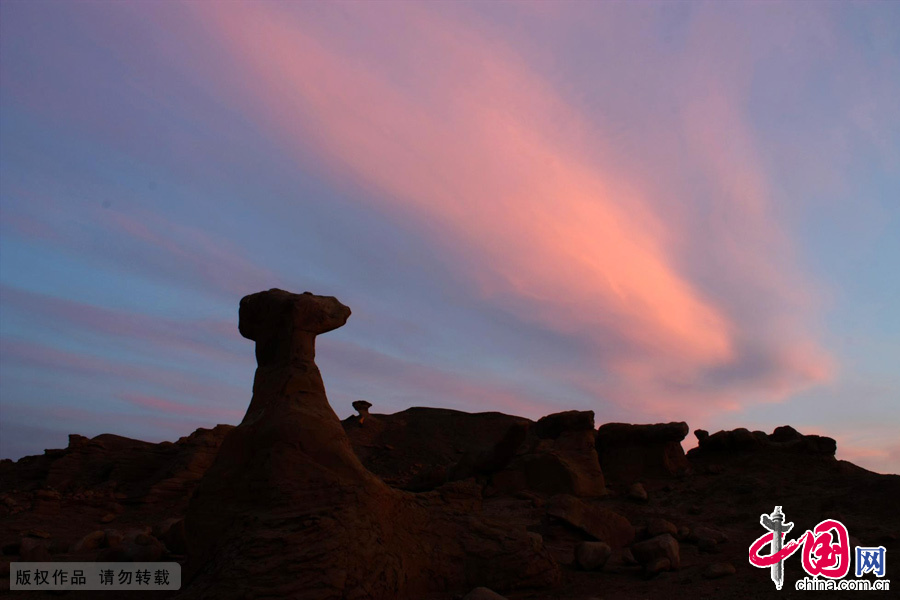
(559, 457)
(632, 452)
(288, 509)
(362, 407)
(295, 504)
(783, 439)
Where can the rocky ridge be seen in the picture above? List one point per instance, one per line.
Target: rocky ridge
(428, 503)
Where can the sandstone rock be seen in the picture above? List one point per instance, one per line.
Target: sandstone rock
(600, 523)
(37, 533)
(783, 439)
(552, 426)
(50, 495)
(171, 533)
(362, 407)
(657, 565)
(560, 458)
(592, 556)
(663, 546)
(719, 570)
(657, 527)
(637, 492)
(91, 541)
(483, 593)
(32, 550)
(108, 518)
(628, 452)
(135, 547)
(287, 509)
(701, 531)
(114, 538)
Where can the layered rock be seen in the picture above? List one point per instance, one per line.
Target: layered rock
(631, 452)
(140, 472)
(784, 438)
(288, 509)
(558, 457)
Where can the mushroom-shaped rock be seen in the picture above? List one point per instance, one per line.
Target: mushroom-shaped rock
(288, 510)
(362, 407)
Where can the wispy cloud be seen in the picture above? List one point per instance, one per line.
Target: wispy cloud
(478, 147)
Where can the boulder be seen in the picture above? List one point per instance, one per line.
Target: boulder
(657, 527)
(483, 593)
(660, 547)
(600, 523)
(91, 541)
(719, 570)
(592, 556)
(34, 550)
(630, 452)
(559, 458)
(637, 492)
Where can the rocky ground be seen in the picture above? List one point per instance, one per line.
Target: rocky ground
(430, 503)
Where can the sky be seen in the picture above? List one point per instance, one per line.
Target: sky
(656, 211)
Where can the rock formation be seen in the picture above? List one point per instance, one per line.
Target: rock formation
(288, 510)
(783, 439)
(558, 458)
(362, 407)
(632, 452)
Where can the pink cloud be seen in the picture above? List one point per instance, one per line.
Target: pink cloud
(465, 139)
(205, 338)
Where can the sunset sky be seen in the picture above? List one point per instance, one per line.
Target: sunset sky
(655, 211)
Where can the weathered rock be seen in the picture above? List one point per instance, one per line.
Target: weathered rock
(592, 556)
(664, 546)
(600, 523)
(559, 458)
(629, 452)
(637, 492)
(91, 541)
(362, 407)
(719, 570)
(657, 565)
(783, 439)
(416, 448)
(135, 547)
(33, 550)
(288, 510)
(657, 527)
(716, 535)
(175, 539)
(108, 518)
(552, 426)
(483, 593)
(114, 538)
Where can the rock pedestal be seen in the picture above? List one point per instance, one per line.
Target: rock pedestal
(288, 510)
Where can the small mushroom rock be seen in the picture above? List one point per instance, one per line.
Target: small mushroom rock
(362, 407)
